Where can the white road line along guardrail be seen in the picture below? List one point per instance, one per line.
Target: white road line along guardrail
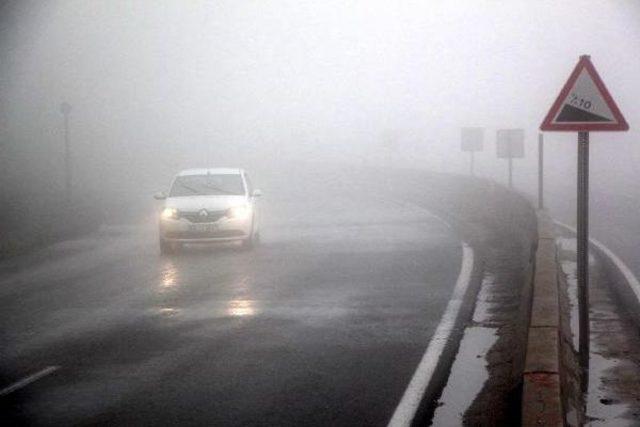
(631, 279)
(409, 404)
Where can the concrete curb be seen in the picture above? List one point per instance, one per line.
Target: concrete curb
(541, 394)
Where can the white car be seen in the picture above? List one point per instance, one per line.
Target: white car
(207, 206)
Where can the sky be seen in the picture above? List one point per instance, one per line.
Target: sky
(157, 86)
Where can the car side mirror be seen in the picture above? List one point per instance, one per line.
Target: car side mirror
(257, 193)
(160, 196)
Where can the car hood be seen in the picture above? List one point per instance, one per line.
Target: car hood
(210, 203)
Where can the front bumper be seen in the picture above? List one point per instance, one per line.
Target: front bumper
(223, 230)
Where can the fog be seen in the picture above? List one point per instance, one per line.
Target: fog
(160, 86)
(362, 276)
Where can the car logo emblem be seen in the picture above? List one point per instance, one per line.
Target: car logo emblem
(203, 212)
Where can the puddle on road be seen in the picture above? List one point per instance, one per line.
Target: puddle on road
(168, 277)
(612, 391)
(469, 370)
(168, 311)
(486, 303)
(602, 408)
(469, 374)
(219, 309)
(241, 308)
(569, 268)
(314, 315)
(567, 245)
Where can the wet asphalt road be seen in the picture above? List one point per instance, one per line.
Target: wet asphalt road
(323, 324)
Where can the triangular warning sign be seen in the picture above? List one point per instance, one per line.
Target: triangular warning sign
(584, 104)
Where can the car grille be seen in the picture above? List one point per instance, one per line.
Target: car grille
(197, 217)
(193, 234)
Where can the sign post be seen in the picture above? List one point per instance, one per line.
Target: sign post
(583, 105)
(471, 140)
(510, 145)
(582, 246)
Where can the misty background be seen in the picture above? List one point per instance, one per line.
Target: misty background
(159, 86)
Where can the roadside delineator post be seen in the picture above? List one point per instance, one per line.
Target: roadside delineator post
(583, 105)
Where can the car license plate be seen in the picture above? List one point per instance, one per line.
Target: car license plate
(207, 228)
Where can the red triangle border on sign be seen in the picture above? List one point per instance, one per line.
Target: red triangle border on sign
(584, 63)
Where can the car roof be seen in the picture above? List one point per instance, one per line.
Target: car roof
(211, 171)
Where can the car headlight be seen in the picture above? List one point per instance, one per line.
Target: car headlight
(239, 212)
(169, 213)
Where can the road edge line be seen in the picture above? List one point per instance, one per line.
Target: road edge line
(28, 380)
(412, 398)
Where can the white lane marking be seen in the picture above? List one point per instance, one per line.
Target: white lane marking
(632, 280)
(28, 380)
(431, 214)
(403, 203)
(408, 406)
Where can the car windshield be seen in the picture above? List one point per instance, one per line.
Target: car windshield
(207, 185)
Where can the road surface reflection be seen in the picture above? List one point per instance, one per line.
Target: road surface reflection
(241, 308)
